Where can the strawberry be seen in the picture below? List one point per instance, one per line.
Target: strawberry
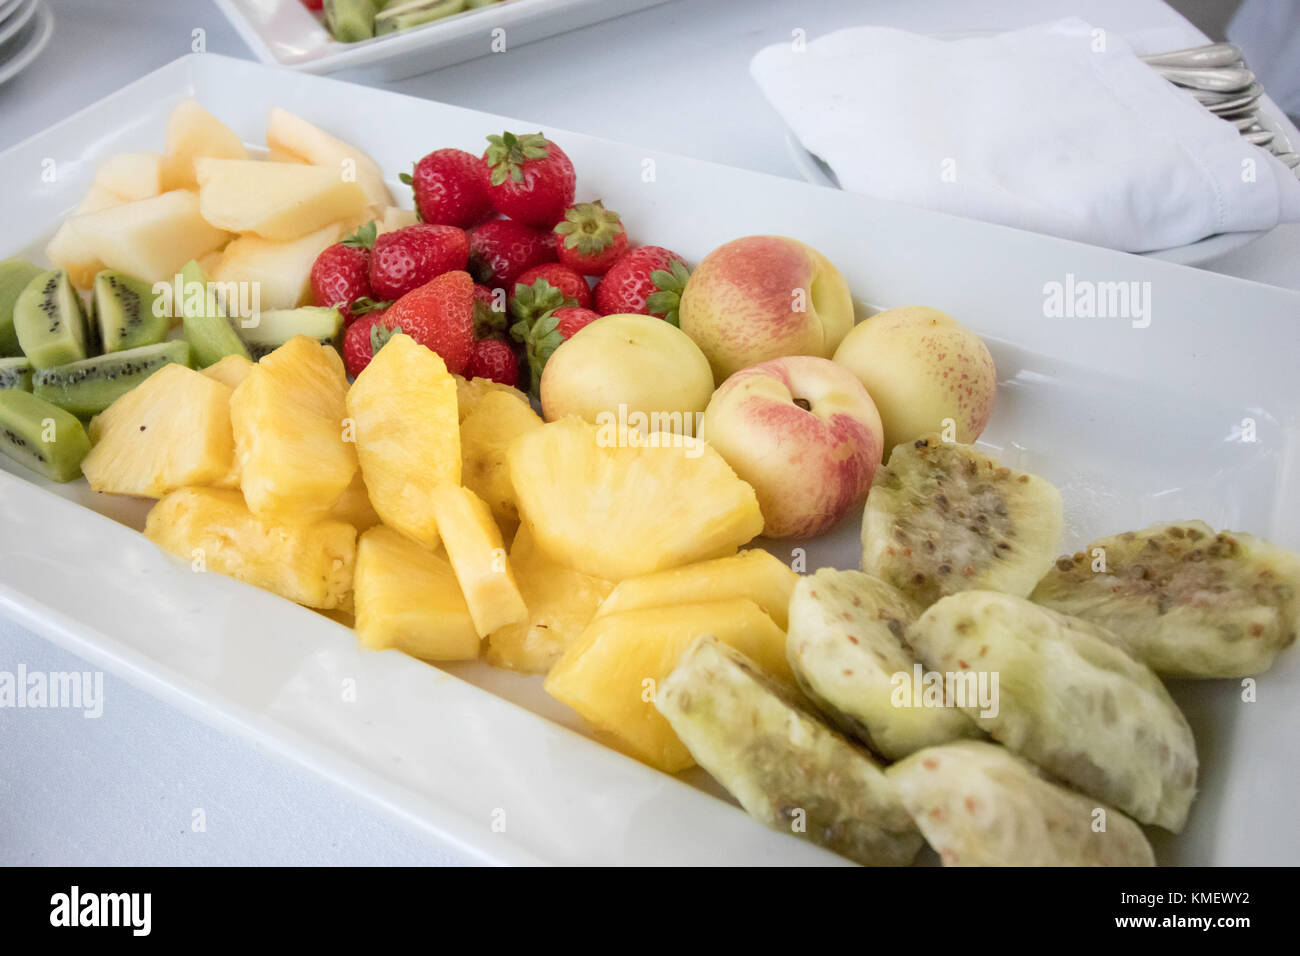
(543, 337)
(341, 274)
(501, 249)
(439, 315)
(570, 283)
(494, 359)
(490, 312)
(648, 280)
(450, 188)
(529, 178)
(590, 238)
(407, 258)
(313, 4)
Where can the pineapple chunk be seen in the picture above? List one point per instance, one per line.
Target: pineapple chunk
(354, 505)
(288, 418)
(611, 674)
(561, 603)
(170, 431)
(231, 370)
(478, 557)
(757, 575)
(274, 200)
(403, 407)
(193, 132)
(407, 598)
(149, 239)
(129, 176)
(281, 271)
(469, 392)
(292, 136)
(617, 512)
(486, 432)
(307, 563)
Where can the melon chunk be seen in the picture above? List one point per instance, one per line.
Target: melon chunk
(193, 132)
(170, 431)
(130, 176)
(274, 200)
(149, 239)
(281, 270)
(293, 138)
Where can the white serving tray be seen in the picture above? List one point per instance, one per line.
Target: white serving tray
(1133, 424)
(286, 33)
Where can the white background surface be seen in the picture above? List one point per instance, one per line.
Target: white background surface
(123, 789)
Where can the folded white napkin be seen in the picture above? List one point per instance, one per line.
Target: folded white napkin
(1056, 128)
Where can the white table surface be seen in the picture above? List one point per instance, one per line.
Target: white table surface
(124, 788)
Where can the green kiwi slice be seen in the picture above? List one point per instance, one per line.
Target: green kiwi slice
(207, 329)
(125, 314)
(16, 373)
(51, 321)
(14, 276)
(41, 436)
(277, 326)
(88, 387)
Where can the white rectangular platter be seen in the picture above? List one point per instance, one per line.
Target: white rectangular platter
(286, 33)
(1133, 424)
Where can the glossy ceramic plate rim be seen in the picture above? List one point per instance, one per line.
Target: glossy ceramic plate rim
(30, 588)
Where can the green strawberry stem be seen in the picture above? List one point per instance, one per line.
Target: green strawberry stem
(507, 153)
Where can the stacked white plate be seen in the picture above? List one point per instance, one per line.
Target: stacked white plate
(25, 28)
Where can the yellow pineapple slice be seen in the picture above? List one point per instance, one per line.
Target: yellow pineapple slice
(498, 418)
(561, 602)
(407, 597)
(170, 431)
(231, 370)
(403, 406)
(755, 574)
(617, 512)
(611, 674)
(354, 505)
(290, 437)
(478, 557)
(470, 390)
(310, 563)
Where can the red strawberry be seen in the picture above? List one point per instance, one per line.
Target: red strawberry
(450, 188)
(407, 258)
(494, 359)
(590, 238)
(543, 337)
(570, 283)
(439, 315)
(501, 249)
(313, 4)
(529, 178)
(648, 280)
(341, 274)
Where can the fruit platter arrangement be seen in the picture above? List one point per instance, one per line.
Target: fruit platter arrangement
(501, 425)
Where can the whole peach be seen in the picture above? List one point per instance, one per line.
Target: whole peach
(763, 297)
(804, 433)
(922, 368)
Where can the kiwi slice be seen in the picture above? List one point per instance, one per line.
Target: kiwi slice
(41, 436)
(124, 311)
(14, 276)
(351, 20)
(1068, 696)
(206, 328)
(16, 373)
(980, 805)
(1190, 601)
(277, 326)
(846, 647)
(788, 769)
(413, 13)
(51, 321)
(91, 385)
(942, 518)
